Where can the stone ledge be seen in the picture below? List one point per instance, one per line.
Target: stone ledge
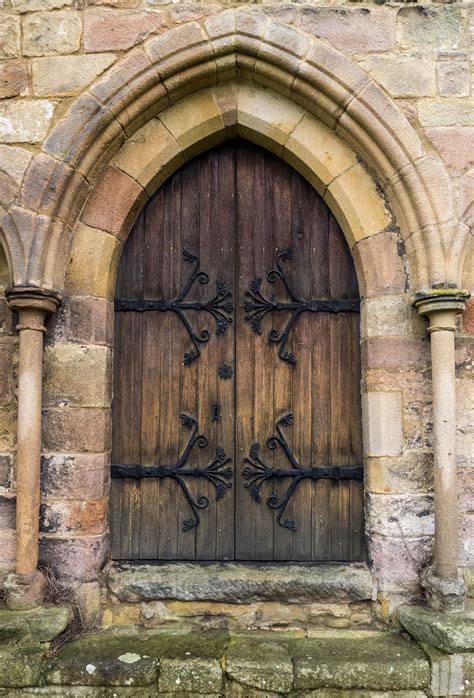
(449, 632)
(240, 583)
(43, 624)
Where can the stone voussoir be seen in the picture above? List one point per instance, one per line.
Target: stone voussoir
(234, 583)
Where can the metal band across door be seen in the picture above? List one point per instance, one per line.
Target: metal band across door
(270, 356)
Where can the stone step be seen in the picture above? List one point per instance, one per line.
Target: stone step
(177, 662)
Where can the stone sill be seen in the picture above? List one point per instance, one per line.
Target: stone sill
(230, 582)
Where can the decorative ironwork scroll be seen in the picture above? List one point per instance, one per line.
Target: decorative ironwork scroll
(257, 472)
(215, 472)
(220, 307)
(258, 306)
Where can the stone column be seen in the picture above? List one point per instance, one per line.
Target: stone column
(25, 588)
(443, 582)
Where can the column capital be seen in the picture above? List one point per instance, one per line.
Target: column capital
(32, 303)
(441, 305)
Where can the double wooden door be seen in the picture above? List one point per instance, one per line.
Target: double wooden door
(236, 410)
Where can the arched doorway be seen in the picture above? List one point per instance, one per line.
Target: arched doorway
(237, 321)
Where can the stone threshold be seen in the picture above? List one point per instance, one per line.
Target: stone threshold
(184, 663)
(240, 583)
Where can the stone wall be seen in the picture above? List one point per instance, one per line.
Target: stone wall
(51, 51)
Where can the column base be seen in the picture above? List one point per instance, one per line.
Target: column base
(443, 594)
(25, 591)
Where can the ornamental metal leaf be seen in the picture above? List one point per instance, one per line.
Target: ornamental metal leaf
(220, 306)
(214, 472)
(257, 472)
(258, 305)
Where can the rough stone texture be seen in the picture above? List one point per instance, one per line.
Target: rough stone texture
(25, 121)
(66, 75)
(449, 632)
(397, 562)
(357, 664)
(21, 663)
(231, 583)
(454, 112)
(46, 33)
(382, 423)
(69, 476)
(451, 674)
(13, 79)
(403, 76)
(80, 559)
(105, 30)
(423, 27)
(10, 36)
(454, 76)
(77, 375)
(42, 624)
(400, 515)
(14, 161)
(262, 664)
(455, 145)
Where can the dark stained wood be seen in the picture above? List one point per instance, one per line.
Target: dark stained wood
(236, 207)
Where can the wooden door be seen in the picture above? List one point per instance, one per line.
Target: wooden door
(236, 411)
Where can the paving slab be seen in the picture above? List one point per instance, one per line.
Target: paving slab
(450, 632)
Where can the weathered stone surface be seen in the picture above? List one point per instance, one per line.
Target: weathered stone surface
(382, 423)
(10, 36)
(230, 583)
(351, 30)
(403, 76)
(6, 462)
(93, 264)
(454, 76)
(106, 30)
(13, 79)
(80, 559)
(455, 145)
(390, 315)
(84, 320)
(453, 112)
(25, 121)
(38, 5)
(451, 674)
(46, 33)
(21, 664)
(396, 562)
(381, 265)
(74, 517)
(449, 632)
(76, 429)
(69, 476)
(396, 353)
(260, 663)
(468, 317)
(466, 202)
(7, 511)
(194, 674)
(400, 515)
(14, 161)
(78, 375)
(424, 26)
(43, 623)
(66, 75)
(347, 663)
(411, 472)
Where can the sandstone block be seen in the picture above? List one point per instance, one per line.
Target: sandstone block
(13, 78)
(150, 156)
(390, 315)
(106, 30)
(79, 559)
(7, 512)
(410, 473)
(381, 264)
(178, 49)
(14, 161)
(193, 674)
(74, 517)
(87, 595)
(66, 75)
(403, 76)
(396, 562)
(382, 421)
(25, 121)
(468, 317)
(76, 430)
(10, 36)
(38, 5)
(6, 463)
(46, 33)
(21, 663)
(7, 547)
(77, 375)
(449, 632)
(263, 664)
(7, 428)
(94, 261)
(317, 153)
(396, 352)
(453, 112)
(400, 515)
(84, 320)
(428, 27)
(351, 30)
(6, 374)
(455, 145)
(466, 203)
(196, 122)
(72, 476)
(343, 196)
(8, 191)
(454, 78)
(114, 203)
(449, 672)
